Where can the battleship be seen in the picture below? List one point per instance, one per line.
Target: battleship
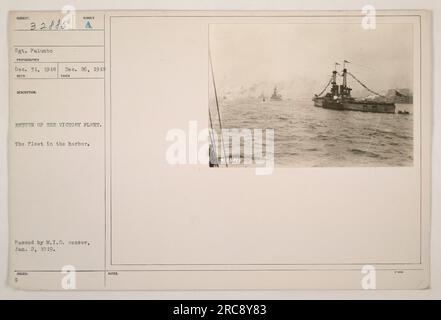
(339, 97)
(276, 96)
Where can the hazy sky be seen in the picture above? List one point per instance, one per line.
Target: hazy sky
(246, 54)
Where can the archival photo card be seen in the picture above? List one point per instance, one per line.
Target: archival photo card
(219, 150)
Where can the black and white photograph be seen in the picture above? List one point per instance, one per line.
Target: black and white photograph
(334, 94)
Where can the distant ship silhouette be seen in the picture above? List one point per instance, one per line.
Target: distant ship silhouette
(276, 96)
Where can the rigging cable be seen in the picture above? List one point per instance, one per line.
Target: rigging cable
(213, 142)
(218, 112)
(330, 80)
(370, 90)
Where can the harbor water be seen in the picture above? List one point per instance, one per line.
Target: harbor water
(308, 136)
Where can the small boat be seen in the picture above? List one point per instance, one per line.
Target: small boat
(262, 96)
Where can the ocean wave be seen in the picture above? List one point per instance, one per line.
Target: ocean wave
(364, 152)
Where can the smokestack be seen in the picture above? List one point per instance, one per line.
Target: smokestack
(344, 77)
(334, 77)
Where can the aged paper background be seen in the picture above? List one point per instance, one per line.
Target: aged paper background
(131, 170)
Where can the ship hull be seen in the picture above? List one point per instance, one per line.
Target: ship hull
(369, 107)
(318, 102)
(362, 106)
